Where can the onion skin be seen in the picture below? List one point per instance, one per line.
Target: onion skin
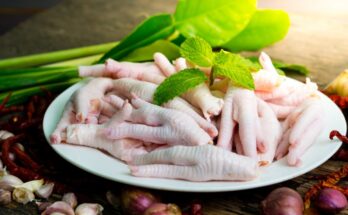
(136, 201)
(163, 209)
(331, 201)
(283, 201)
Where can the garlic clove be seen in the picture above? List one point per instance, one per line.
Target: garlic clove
(59, 207)
(45, 191)
(89, 209)
(22, 195)
(71, 199)
(8, 182)
(33, 185)
(5, 197)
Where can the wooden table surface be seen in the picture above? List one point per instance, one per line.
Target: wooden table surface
(317, 39)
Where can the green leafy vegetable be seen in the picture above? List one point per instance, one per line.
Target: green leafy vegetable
(234, 67)
(170, 50)
(197, 51)
(152, 29)
(284, 68)
(177, 84)
(265, 28)
(294, 68)
(215, 21)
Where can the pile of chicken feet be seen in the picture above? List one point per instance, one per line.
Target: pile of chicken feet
(113, 112)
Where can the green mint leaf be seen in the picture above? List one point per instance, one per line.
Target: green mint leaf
(198, 51)
(234, 67)
(177, 84)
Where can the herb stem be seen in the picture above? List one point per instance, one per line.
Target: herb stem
(89, 60)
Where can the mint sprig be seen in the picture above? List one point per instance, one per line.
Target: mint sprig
(177, 84)
(198, 51)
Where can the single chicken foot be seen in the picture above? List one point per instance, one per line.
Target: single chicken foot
(91, 135)
(269, 132)
(198, 163)
(87, 100)
(240, 107)
(113, 69)
(267, 78)
(125, 87)
(159, 125)
(68, 118)
(301, 128)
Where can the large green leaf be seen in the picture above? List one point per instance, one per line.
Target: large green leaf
(170, 50)
(216, 21)
(152, 29)
(265, 28)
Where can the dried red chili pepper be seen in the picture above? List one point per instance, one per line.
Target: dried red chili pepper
(24, 158)
(12, 109)
(29, 123)
(341, 101)
(14, 169)
(337, 134)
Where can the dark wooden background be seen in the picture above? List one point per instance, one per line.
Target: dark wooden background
(317, 39)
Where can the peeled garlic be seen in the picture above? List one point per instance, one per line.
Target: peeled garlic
(33, 185)
(71, 199)
(22, 195)
(5, 197)
(339, 85)
(45, 191)
(89, 209)
(8, 182)
(59, 207)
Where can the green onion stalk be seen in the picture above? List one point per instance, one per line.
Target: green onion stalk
(54, 71)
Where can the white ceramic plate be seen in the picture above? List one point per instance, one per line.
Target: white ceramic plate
(100, 164)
